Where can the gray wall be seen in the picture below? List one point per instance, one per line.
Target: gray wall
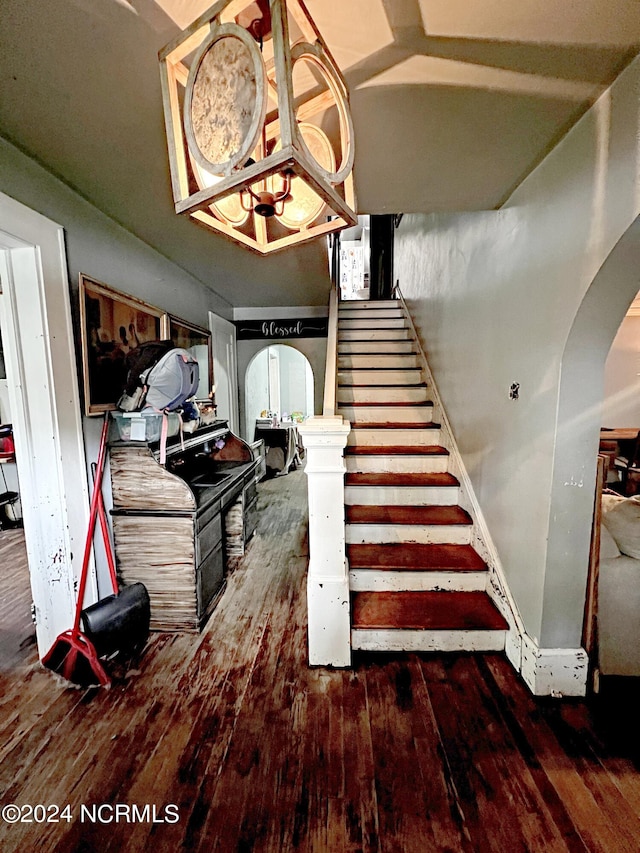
(105, 251)
(500, 297)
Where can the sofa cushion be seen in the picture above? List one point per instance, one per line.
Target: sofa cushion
(621, 517)
(608, 548)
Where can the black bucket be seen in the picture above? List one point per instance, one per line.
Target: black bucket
(119, 623)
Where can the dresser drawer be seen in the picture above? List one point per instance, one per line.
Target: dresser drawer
(208, 537)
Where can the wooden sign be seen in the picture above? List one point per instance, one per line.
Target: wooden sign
(308, 327)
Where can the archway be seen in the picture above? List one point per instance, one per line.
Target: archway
(278, 379)
(578, 428)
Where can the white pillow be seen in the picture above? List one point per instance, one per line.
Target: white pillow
(608, 547)
(621, 517)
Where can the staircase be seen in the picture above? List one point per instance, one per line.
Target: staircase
(416, 581)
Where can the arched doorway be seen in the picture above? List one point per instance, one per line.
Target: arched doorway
(579, 414)
(278, 380)
(279, 394)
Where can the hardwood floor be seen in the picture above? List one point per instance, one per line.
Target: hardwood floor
(402, 754)
(17, 632)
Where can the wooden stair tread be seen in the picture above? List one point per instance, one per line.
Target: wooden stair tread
(369, 353)
(396, 450)
(371, 385)
(441, 611)
(377, 326)
(410, 556)
(375, 369)
(386, 387)
(355, 340)
(394, 425)
(383, 405)
(394, 514)
(373, 478)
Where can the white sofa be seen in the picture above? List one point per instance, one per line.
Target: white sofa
(619, 586)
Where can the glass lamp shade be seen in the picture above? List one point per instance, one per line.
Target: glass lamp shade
(227, 209)
(304, 206)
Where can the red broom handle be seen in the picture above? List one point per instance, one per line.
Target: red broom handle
(93, 510)
(106, 538)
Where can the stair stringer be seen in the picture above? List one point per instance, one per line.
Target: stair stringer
(496, 585)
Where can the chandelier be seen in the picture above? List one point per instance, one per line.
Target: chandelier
(259, 132)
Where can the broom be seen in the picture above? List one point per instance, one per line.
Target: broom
(72, 654)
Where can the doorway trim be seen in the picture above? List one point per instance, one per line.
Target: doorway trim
(44, 397)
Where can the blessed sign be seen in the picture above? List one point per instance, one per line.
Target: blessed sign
(309, 327)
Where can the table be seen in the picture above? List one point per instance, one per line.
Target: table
(284, 449)
(619, 433)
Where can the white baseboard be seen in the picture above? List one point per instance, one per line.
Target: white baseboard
(554, 672)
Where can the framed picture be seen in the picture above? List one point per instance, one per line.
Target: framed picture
(111, 324)
(197, 340)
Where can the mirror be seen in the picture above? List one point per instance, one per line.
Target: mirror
(197, 341)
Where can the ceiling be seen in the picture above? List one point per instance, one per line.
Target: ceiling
(454, 102)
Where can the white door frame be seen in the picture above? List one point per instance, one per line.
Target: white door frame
(225, 369)
(45, 407)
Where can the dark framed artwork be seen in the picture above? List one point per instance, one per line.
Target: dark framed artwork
(197, 340)
(111, 324)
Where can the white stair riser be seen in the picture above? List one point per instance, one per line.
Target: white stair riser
(373, 315)
(397, 464)
(365, 304)
(401, 495)
(388, 394)
(373, 335)
(393, 437)
(381, 580)
(391, 360)
(369, 323)
(391, 640)
(387, 414)
(427, 534)
(376, 347)
(379, 377)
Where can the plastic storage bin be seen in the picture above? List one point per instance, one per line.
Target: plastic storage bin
(143, 426)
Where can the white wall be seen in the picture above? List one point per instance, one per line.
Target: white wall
(293, 381)
(5, 411)
(495, 296)
(256, 391)
(9, 468)
(621, 405)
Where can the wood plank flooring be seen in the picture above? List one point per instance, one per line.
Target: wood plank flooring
(402, 754)
(17, 632)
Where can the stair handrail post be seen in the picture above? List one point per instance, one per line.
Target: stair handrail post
(324, 438)
(328, 602)
(331, 368)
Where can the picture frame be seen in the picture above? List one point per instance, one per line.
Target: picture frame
(198, 341)
(111, 324)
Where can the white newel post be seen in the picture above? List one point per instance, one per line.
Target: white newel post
(328, 606)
